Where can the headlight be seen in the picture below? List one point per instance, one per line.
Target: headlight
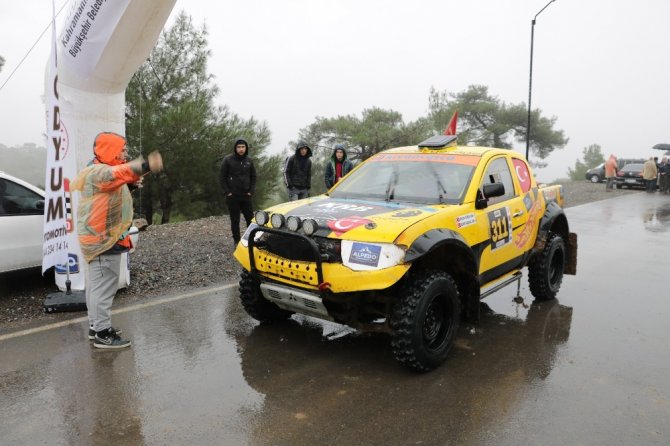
(245, 236)
(293, 223)
(262, 218)
(277, 220)
(361, 256)
(309, 226)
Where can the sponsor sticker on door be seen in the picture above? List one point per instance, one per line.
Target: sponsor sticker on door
(465, 220)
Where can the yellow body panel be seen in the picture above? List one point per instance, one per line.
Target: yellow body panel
(303, 274)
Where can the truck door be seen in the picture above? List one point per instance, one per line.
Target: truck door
(506, 217)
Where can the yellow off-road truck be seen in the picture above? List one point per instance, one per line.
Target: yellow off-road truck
(408, 243)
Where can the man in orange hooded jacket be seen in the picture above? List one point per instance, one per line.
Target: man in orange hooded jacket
(105, 214)
(611, 167)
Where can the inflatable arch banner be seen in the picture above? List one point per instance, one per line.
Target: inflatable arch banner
(100, 46)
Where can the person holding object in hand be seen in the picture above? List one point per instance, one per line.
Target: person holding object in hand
(104, 217)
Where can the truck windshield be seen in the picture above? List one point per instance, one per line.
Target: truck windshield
(402, 180)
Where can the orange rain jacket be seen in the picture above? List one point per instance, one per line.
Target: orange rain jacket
(105, 210)
(611, 167)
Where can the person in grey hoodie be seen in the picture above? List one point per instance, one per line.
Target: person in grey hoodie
(238, 181)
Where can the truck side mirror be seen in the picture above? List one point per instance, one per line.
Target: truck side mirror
(488, 191)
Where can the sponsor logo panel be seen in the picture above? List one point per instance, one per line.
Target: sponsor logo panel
(73, 261)
(465, 220)
(365, 254)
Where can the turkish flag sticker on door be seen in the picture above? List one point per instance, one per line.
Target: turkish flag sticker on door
(522, 174)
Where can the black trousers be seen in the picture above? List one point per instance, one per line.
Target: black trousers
(237, 204)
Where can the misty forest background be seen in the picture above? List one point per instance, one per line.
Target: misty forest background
(171, 102)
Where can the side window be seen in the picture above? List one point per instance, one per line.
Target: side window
(18, 200)
(4, 204)
(498, 172)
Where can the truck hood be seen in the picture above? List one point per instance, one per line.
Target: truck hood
(361, 220)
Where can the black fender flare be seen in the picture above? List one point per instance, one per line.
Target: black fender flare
(435, 238)
(553, 220)
(465, 270)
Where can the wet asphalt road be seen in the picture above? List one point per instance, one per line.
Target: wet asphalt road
(591, 368)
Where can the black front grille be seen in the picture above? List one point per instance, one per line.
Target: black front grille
(294, 248)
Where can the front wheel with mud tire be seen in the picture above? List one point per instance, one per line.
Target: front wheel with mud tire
(545, 271)
(425, 321)
(255, 304)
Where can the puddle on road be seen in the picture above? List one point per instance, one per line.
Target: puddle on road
(657, 218)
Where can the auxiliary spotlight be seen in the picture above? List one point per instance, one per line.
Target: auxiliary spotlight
(293, 223)
(277, 220)
(262, 218)
(310, 226)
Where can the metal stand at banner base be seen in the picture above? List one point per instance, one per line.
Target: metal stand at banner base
(67, 300)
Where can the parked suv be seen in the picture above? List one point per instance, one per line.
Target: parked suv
(597, 174)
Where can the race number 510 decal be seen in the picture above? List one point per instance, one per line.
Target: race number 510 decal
(500, 226)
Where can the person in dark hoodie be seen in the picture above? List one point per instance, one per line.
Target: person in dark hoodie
(338, 166)
(238, 181)
(298, 172)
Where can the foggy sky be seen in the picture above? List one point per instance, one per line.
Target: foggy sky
(600, 67)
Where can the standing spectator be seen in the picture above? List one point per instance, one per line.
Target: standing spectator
(611, 167)
(338, 166)
(238, 181)
(664, 175)
(298, 172)
(105, 214)
(649, 174)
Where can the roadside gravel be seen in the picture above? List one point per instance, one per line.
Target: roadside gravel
(176, 257)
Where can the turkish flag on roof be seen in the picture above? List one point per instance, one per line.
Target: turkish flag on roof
(451, 128)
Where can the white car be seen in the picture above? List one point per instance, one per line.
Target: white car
(21, 222)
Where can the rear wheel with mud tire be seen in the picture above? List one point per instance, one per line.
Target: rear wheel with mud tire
(545, 271)
(255, 304)
(425, 321)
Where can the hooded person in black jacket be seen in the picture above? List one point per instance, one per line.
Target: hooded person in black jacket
(238, 181)
(298, 172)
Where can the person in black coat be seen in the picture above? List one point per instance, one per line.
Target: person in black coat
(298, 172)
(664, 176)
(238, 181)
